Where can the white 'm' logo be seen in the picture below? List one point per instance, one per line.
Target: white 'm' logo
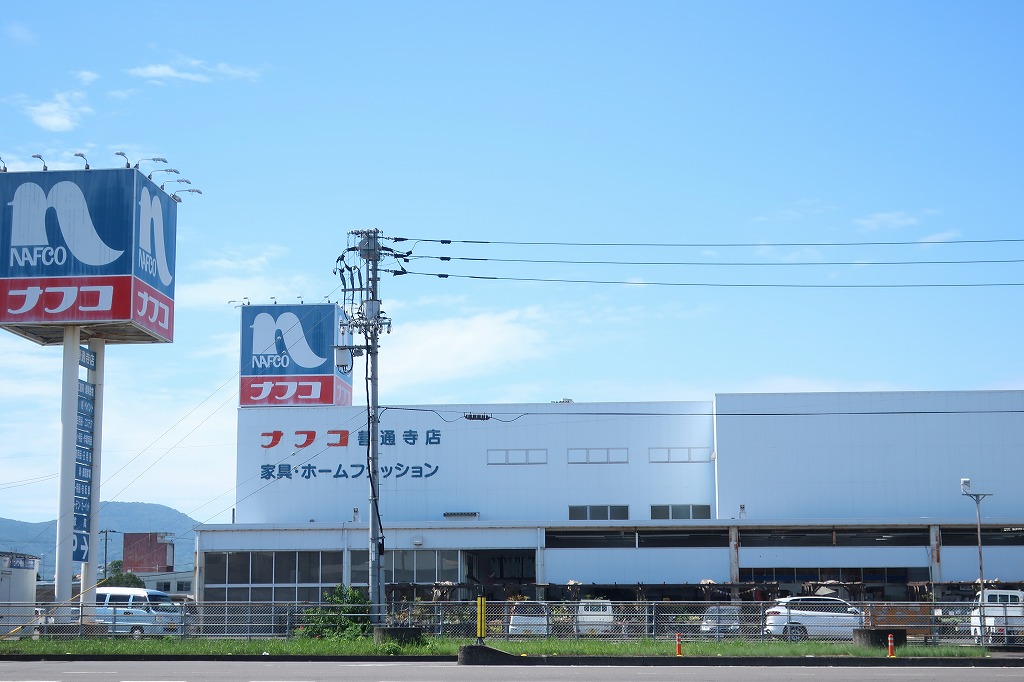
(28, 221)
(265, 330)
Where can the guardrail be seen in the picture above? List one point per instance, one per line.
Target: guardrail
(926, 623)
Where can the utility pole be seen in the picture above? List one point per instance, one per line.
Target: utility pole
(362, 305)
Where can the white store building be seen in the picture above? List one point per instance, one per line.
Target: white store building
(641, 499)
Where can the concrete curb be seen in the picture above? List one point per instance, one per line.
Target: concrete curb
(485, 655)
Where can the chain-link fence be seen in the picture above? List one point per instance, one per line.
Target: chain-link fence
(792, 619)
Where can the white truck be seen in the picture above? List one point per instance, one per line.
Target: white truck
(997, 617)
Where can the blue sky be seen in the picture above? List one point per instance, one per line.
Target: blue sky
(725, 124)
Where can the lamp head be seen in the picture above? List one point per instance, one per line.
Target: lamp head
(965, 485)
(82, 156)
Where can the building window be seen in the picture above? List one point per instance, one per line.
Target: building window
(517, 456)
(164, 586)
(599, 512)
(184, 585)
(262, 568)
(598, 455)
(678, 455)
(680, 511)
(360, 561)
(216, 567)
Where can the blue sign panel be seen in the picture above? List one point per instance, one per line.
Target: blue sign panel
(83, 472)
(92, 211)
(83, 456)
(80, 547)
(86, 358)
(83, 522)
(83, 505)
(86, 406)
(86, 390)
(289, 340)
(154, 252)
(85, 422)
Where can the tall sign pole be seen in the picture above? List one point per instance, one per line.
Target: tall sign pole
(85, 256)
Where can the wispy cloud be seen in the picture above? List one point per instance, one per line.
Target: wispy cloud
(796, 211)
(424, 354)
(230, 71)
(194, 70)
(19, 33)
(163, 72)
(891, 220)
(86, 77)
(61, 114)
(940, 237)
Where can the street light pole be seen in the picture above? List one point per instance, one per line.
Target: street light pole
(965, 490)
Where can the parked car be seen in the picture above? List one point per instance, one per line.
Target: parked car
(135, 611)
(595, 617)
(798, 618)
(721, 621)
(530, 618)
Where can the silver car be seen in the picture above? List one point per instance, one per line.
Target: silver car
(799, 618)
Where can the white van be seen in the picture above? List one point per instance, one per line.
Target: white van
(135, 611)
(595, 617)
(530, 618)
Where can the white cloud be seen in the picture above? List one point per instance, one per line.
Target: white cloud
(194, 70)
(890, 220)
(230, 71)
(161, 72)
(86, 77)
(19, 33)
(61, 114)
(443, 350)
(940, 237)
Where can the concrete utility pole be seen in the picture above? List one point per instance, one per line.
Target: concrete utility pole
(366, 318)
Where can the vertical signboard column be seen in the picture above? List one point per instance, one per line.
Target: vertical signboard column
(84, 434)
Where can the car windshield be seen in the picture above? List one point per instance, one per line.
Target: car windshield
(529, 609)
(163, 603)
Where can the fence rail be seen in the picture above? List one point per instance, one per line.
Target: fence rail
(931, 623)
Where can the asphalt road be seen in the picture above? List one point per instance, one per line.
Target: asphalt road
(329, 671)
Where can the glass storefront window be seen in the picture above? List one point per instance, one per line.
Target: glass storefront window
(309, 567)
(214, 594)
(426, 566)
(238, 594)
(360, 559)
(238, 567)
(448, 565)
(403, 566)
(262, 567)
(216, 568)
(284, 567)
(330, 567)
(263, 594)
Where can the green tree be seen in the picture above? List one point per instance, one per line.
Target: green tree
(118, 578)
(345, 614)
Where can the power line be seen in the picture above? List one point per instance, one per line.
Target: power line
(712, 245)
(720, 263)
(741, 285)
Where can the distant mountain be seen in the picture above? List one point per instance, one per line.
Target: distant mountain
(39, 539)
